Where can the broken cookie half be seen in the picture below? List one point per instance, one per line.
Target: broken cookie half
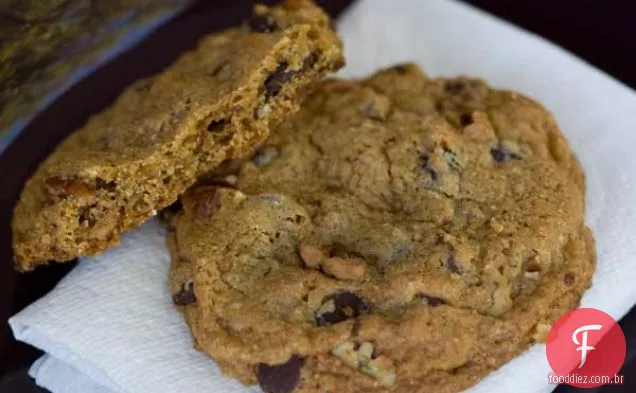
(137, 156)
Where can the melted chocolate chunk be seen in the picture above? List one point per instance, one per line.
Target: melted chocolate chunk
(205, 201)
(346, 305)
(275, 81)
(466, 119)
(501, 154)
(185, 295)
(453, 266)
(280, 378)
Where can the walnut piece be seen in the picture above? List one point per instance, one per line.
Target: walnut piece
(312, 255)
(362, 357)
(344, 268)
(65, 188)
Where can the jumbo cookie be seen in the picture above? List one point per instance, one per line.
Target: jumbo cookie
(137, 156)
(397, 234)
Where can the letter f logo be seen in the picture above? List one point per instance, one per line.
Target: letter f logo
(584, 348)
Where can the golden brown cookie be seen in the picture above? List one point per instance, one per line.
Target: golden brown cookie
(397, 234)
(137, 156)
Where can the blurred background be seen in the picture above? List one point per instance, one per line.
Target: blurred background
(62, 60)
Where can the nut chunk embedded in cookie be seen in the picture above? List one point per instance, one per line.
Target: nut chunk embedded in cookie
(133, 159)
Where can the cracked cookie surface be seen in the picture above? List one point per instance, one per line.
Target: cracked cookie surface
(398, 233)
(137, 156)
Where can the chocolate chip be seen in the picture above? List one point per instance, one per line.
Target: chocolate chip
(275, 81)
(501, 154)
(466, 119)
(498, 155)
(453, 266)
(310, 61)
(454, 87)
(265, 155)
(431, 301)
(262, 24)
(216, 125)
(434, 301)
(280, 378)
(424, 164)
(400, 69)
(568, 279)
(185, 295)
(346, 305)
(204, 201)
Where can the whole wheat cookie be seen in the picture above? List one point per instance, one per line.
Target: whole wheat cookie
(397, 234)
(137, 156)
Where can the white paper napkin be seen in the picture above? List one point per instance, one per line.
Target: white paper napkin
(110, 327)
